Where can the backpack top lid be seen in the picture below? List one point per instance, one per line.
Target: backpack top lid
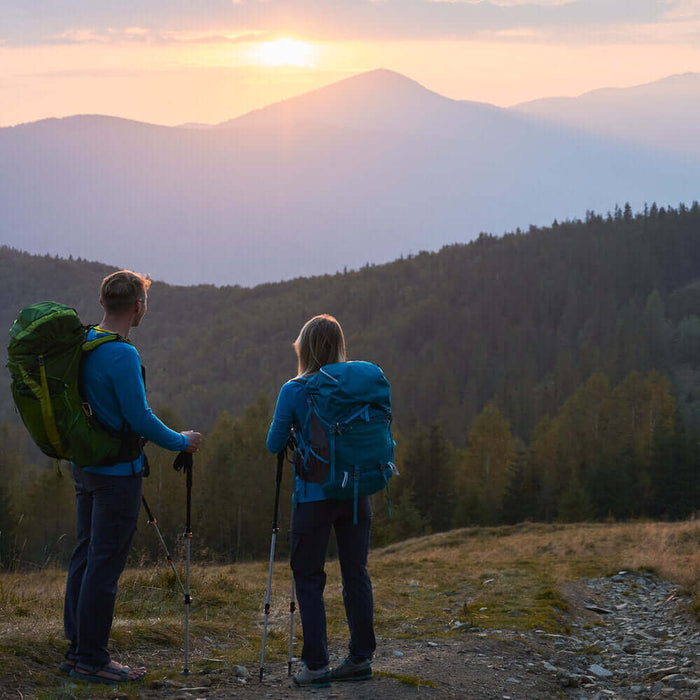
(337, 388)
(45, 328)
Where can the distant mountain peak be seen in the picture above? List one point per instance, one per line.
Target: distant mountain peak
(376, 100)
(76, 122)
(382, 77)
(676, 82)
(679, 78)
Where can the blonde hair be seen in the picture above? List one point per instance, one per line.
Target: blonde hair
(320, 342)
(120, 290)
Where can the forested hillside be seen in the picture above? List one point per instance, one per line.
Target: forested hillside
(547, 374)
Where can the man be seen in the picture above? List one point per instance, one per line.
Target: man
(108, 498)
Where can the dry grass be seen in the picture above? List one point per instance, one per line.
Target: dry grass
(516, 572)
(493, 578)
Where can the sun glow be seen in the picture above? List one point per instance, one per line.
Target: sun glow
(285, 52)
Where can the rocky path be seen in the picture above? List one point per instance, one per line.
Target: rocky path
(631, 638)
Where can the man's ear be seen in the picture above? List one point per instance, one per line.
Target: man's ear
(101, 303)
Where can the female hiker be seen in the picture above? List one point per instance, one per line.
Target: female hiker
(320, 343)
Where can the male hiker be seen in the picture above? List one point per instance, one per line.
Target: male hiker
(108, 498)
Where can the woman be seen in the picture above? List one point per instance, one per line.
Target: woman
(321, 342)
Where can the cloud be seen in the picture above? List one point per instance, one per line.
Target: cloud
(684, 10)
(142, 35)
(74, 21)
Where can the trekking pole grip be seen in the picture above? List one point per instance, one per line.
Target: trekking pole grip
(184, 462)
(275, 515)
(280, 464)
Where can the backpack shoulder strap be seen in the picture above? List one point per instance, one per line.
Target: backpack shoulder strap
(89, 346)
(101, 339)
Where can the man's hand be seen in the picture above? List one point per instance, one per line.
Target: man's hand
(194, 438)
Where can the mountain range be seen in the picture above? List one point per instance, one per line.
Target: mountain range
(662, 114)
(362, 171)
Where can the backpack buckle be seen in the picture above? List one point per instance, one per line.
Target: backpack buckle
(87, 409)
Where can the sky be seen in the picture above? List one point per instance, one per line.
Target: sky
(181, 61)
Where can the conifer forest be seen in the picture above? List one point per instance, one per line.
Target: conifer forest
(548, 375)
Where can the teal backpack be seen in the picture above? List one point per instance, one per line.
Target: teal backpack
(47, 344)
(350, 448)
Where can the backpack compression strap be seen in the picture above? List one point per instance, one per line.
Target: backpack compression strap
(41, 391)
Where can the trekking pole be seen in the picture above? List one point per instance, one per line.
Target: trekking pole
(168, 558)
(292, 608)
(291, 445)
(184, 461)
(275, 530)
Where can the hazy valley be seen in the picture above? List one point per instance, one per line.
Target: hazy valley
(364, 170)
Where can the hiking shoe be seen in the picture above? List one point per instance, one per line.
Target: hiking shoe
(109, 674)
(318, 678)
(66, 666)
(352, 670)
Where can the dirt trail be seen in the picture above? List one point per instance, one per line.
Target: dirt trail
(631, 637)
(475, 665)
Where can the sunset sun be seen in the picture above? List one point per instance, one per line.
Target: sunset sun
(285, 52)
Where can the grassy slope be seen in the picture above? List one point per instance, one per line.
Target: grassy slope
(493, 578)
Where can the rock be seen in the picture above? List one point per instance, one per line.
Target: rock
(599, 671)
(240, 672)
(599, 610)
(661, 672)
(629, 646)
(678, 680)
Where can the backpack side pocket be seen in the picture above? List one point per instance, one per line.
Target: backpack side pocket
(312, 461)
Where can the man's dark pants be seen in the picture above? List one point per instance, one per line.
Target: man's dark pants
(107, 511)
(311, 526)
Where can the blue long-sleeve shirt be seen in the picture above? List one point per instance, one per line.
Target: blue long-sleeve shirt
(291, 411)
(114, 388)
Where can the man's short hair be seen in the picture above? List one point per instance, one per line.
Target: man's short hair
(120, 290)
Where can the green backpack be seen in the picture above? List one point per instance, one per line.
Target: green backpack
(47, 344)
